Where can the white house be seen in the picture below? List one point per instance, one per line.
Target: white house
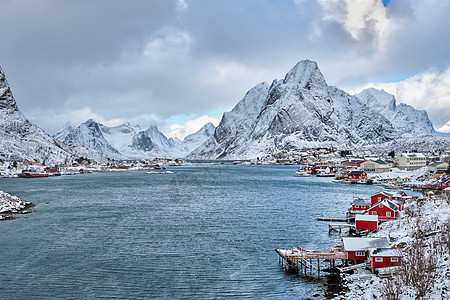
(410, 161)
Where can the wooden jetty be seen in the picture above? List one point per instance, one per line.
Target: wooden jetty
(300, 259)
(340, 226)
(331, 219)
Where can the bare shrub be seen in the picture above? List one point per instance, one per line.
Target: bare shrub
(419, 262)
(391, 288)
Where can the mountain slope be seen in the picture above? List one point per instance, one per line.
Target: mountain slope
(407, 121)
(131, 142)
(303, 111)
(20, 139)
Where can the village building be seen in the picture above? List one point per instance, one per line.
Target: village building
(385, 210)
(360, 205)
(437, 166)
(375, 166)
(438, 174)
(398, 197)
(384, 258)
(410, 161)
(366, 222)
(352, 163)
(358, 248)
(445, 181)
(357, 175)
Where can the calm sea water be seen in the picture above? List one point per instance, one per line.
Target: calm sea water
(202, 232)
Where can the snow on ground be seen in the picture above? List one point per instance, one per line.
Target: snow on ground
(11, 204)
(434, 212)
(419, 176)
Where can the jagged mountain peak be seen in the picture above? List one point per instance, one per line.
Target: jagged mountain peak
(373, 97)
(303, 73)
(303, 111)
(6, 97)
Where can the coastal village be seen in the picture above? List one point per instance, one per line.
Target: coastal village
(377, 232)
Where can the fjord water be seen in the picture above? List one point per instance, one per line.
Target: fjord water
(203, 232)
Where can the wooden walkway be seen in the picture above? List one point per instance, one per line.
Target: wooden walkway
(352, 267)
(296, 259)
(339, 227)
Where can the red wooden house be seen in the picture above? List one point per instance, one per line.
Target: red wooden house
(358, 248)
(385, 210)
(445, 180)
(360, 205)
(398, 197)
(353, 163)
(385, 258)
(357, 175)
(369, 222)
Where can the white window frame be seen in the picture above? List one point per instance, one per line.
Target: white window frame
(374, 213)
(360, 253)
(388, 214)
(378, 259)
(394, 259)
(356, 206)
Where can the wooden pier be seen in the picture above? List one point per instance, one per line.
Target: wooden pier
(299, 259)
(331, 219)
(339, 227)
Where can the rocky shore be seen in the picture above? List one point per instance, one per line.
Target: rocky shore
(10, 205)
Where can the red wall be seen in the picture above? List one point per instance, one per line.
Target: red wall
(352, 255)
(371, 225)
(385, 263)
(381, 212)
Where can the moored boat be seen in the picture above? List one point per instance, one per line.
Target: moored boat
(35, 174)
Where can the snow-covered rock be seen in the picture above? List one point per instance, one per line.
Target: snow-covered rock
(11, 204)
(406, 120)
(131, 142)
(20, 139)
(299, 111)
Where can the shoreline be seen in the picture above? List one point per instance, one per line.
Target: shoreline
(11, 205)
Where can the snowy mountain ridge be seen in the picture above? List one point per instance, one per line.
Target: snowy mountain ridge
(20, 139)
(131, 142)
(303, 111)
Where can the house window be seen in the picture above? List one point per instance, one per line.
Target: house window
(356, 206)
(360, 253)
(388, 214)
(363, 206)
(381, 205)
(374, 213)
(378, 259)
(379, 198)
(394, 259)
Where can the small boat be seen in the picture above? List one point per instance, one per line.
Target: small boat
(302, 174)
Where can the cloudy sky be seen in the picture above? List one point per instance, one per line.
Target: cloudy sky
(182, 63)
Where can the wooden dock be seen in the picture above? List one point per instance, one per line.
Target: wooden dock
(331, 219)
(339, 227)
(300, 259)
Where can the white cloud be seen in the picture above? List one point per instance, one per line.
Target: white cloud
(358, 16)
(192, 126)
(82, 115)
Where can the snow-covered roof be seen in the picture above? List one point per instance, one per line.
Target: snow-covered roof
(366, 218)
(359, 201)
(357, 244)
(437, 163)
(385, 252)
(411, 155)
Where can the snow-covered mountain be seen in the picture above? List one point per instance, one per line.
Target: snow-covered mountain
(406, 120)
(20, 139)
(303, 111)
(131, 142)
